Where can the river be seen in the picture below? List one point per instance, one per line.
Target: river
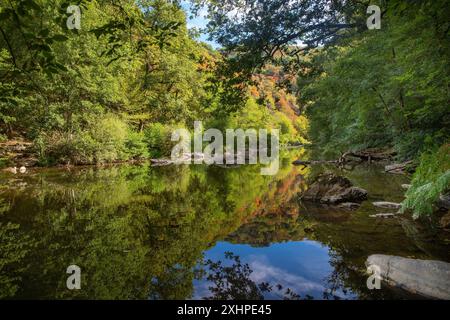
(188, 232)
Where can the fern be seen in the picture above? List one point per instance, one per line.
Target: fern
(431, 179)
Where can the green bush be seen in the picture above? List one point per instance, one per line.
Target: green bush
(159, 140)
(136, 145)
(104, 140)
(110, 135)
(431, 179)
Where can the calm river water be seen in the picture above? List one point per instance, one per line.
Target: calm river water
(196, 232)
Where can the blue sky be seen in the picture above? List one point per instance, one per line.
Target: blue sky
(198, 22)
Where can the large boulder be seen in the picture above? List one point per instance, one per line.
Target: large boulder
(424, 277)
(333, 189)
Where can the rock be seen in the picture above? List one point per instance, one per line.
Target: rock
(444, 202)
(406, 186)
(161, 162)
(350, 206)
(445, 221)
(383, 215)
(350, 194)
(388, 205)
(19, 152)
(424, 277)
(333, 189)
(10, 170)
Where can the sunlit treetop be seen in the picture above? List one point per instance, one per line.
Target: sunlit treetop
(261, 30)
(258, 31)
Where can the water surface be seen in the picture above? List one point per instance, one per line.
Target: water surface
(196, 232)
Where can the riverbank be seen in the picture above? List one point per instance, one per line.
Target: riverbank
(18, 158)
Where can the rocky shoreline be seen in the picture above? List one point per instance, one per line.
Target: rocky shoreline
(429, 279)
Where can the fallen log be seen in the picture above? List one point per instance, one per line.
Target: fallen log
(398, 168)
(307, 163)
(368, 155)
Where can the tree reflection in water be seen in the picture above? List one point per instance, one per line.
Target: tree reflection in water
(233, 282)
(139, 232)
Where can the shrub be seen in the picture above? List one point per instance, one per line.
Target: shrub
(136, 145)
(431, 179)
(159, 140)
(103, 140)
(110, 135)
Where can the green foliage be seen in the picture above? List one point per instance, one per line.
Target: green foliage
(159, 139)
(256, 116)
(287, 129)
(262, 31)
(252, 116)
(384, 88)
(85, 96)
(110, 135)
(135, 145)
(431, 179)
(301, 124)
(106, 139)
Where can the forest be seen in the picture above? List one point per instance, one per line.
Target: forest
(114, 89)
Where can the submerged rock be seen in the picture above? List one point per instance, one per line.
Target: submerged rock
(445, 221)
(388, 205)
(332, 189)
(424, 277)
(383, 215)
(350, 205)
(350, 194)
